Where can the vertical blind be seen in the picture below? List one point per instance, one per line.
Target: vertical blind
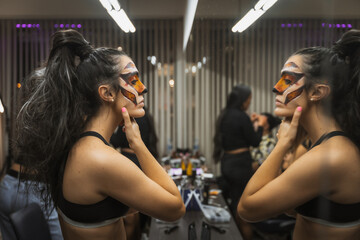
(215, 60)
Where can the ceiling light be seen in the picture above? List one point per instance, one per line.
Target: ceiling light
(251, 16)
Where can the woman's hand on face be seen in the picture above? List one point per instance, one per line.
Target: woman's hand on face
(288, 129)
(131, 128)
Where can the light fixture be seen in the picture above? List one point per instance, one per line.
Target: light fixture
(119, 16)
(189, 19)
(1, 107)
(253, 14)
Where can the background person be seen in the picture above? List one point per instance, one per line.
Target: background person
(234, 136)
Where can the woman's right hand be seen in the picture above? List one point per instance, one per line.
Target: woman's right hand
(131, 128)
(288, 129)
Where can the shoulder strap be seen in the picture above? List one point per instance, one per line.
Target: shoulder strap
(327, 136)
(94, 134)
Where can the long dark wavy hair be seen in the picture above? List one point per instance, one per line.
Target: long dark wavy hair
(236, 99)
(58, 103)
(338, 66)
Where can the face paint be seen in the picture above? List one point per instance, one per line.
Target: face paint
(293, 95)
(130, 76)
(288, 78)
(128, 95)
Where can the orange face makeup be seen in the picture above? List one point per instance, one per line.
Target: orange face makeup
(288, 79)
(131, 78)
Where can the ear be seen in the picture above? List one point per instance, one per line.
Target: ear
(319, 92)
(106, 93)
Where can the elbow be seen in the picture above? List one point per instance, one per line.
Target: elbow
(180, 210)
(177, 212)
(247, 213)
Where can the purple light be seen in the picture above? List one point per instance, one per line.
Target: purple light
(29, 25)
(18, 25)
(23, 25)
(349, 25)
(72, 25)
(289, 25)
(61, 25)
(79, 26)
(323, 24)
(67, 25)
(294, 25)
(38, 25)
(343, 25)
(330, 26)
(300, 25)
(338, 25)
(56, 25)
(282, 25)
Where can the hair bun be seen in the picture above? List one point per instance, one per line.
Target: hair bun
(72, 40)
(345, 46)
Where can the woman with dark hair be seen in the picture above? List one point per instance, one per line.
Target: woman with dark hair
(234, 135)
(318, 93)
(64, 129)
(16, 194)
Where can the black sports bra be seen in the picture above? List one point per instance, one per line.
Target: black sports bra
(100, 212)
(323, 210)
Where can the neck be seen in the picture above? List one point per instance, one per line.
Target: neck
(104, 122)
(316, 123)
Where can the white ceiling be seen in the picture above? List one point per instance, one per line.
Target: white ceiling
(140, 9)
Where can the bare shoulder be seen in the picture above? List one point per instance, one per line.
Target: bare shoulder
(342, 154)
(96, 157)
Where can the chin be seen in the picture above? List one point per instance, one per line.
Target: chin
(137, 113)
(281, 112)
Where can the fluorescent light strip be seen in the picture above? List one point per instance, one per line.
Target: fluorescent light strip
(269, 4)
(1, 107)
(251, 16)
(119, 20)
(188, 20)
(106, 4)
(118, 15)
(126, 20)
(115, 4)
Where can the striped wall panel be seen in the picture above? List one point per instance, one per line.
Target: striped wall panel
(215, 60)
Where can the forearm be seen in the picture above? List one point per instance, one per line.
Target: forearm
(153, 169)
(268, 171)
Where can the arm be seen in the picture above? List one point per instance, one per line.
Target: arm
(150, 191)
(252, 137)
(295, 186)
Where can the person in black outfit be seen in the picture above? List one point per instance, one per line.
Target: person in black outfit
(234, 135)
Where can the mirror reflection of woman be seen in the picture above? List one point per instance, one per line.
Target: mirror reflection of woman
(64, 133)
(318, 93)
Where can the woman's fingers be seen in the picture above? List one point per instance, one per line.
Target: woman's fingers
(126, 117)
(296, 117)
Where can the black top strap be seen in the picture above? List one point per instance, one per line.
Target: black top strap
(327, 136)
(94, 134)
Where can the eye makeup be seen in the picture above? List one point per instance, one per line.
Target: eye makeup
(130, 76)
(287, 79)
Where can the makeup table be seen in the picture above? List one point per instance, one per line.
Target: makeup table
(179, 230)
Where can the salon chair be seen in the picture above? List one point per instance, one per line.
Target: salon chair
(29, 223)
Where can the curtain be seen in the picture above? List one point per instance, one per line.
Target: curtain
(215, 60)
